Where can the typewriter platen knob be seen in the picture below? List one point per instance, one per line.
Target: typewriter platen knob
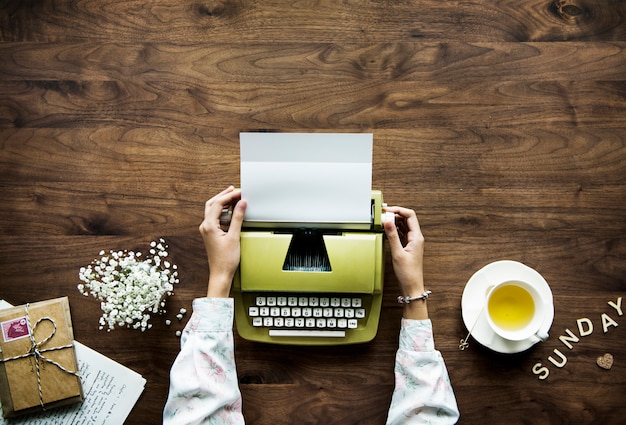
(225, 218)
(387, 216)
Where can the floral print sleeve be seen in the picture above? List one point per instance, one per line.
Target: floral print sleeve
(423, 393)
(203, 378)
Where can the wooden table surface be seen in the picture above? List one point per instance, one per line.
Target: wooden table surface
(503, 124)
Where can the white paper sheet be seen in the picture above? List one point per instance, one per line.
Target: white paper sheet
(307, 177)
(111, 390)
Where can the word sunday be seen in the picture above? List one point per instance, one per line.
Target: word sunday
(585, 328)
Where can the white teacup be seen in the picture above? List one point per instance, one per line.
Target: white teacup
(515, 310)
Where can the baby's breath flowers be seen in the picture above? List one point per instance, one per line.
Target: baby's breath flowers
(130, 289)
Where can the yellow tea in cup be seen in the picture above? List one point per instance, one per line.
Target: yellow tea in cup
(511, 307)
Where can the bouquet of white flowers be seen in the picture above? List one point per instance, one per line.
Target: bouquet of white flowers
(130, 289)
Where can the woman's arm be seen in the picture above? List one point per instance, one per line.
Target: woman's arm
(203, 378)
(423, 393)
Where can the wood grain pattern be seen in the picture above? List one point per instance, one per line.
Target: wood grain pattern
(503, 124)
(194, 21)
(384, 104)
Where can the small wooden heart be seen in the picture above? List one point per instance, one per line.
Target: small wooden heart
(606, 361)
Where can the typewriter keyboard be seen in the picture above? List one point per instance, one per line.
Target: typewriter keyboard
(307, 315)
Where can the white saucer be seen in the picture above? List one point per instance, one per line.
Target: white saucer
(473, 301)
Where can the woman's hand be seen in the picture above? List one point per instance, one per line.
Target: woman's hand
(222, 248)
(407, 254)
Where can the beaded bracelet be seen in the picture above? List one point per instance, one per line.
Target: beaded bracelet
(407, 300)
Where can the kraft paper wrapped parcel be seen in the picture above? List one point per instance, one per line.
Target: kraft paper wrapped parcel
(38, 367)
